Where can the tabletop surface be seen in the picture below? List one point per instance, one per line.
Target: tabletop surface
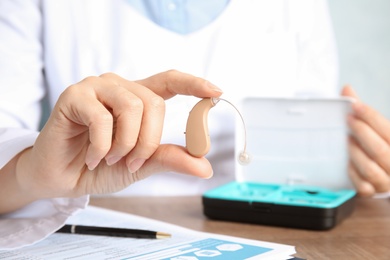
(363, 235)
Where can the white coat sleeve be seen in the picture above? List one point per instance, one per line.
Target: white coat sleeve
(317, 51)
(36, 221)
(21, 90)
(39, 219)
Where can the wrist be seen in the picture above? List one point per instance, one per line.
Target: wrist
(26, 179)
(13, 191)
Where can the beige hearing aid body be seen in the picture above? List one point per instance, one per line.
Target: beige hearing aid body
(197, 135)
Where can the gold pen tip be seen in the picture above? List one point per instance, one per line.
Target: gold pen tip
(163, 235)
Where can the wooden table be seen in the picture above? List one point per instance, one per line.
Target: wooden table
(364, 235)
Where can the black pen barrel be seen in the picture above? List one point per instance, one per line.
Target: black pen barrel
(107, 231)
(115, 232)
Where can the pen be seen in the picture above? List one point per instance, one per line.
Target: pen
(112, 232)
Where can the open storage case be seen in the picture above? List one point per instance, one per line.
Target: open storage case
(297, 176)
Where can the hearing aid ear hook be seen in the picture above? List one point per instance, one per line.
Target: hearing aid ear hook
(197, 135)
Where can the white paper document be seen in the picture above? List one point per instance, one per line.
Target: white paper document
(185, 244)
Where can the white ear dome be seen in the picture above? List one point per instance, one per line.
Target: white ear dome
(244, 158)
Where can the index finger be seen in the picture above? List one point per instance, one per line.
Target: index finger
(170, 83)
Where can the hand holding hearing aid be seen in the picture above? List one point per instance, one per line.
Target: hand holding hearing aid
(103, 135)
(197, 133)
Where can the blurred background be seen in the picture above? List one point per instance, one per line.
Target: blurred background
(362, 29)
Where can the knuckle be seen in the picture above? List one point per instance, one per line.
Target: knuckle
(90, 80)
(151, 146)
(171, 72)
(157, 102)
(72, 94)
(127, 143)
(77, 89)
(108, 75)
(135, 104)
(371, 171)
(147, 146)
(104, 116)
(111, 77)
(72, 90)
(357, 128)
(103, 119)
(381, 151)
(171, 75)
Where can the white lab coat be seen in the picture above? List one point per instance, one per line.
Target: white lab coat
(254, 48)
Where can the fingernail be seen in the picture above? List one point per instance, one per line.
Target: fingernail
(213, 87)
(113, 159)
(211, 175)
(92, 164)
(136, 164)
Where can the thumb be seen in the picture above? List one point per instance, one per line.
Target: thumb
(169, 157)
(348, 91)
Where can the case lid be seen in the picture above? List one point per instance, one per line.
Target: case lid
(295, 141)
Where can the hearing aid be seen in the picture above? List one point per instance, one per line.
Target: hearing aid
(197, 133)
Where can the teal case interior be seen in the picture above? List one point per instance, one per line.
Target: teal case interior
(295, 195)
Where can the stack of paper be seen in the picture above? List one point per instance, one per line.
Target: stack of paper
(185, 244)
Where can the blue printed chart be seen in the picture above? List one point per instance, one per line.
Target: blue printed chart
(217, 250)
